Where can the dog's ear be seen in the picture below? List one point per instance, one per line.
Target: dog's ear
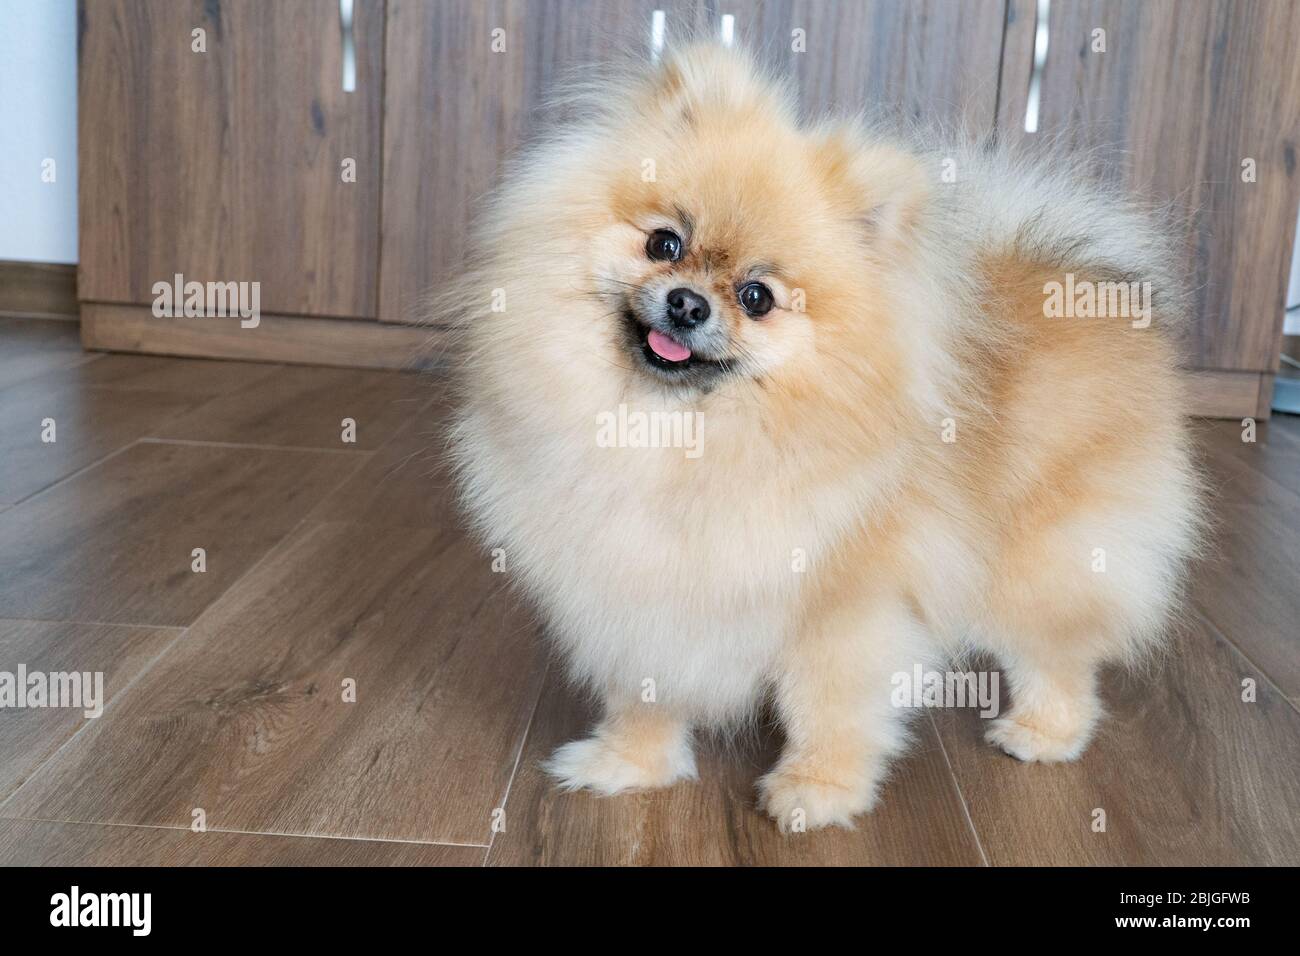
(667, 85)
(880, 185)
(705, 76)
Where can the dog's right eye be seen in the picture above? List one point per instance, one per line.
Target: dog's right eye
(664, 246)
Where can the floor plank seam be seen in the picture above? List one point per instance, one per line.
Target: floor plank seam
(80, 471)
(49, 761)
(1204, 615)
(178, 413)
(275, 546)
(28, 316)
(519, 756)
(15, 384)
(79, 621)
(207, 396)
(228, 830)
(952, 775)
(151, 440)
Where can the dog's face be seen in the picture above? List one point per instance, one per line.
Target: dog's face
(709, 263)
(739, 242)
(710, 252)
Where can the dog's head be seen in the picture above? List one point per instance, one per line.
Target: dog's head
(689, 236)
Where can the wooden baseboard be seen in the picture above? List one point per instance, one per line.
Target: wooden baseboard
(1216, 393)
(1291, 346)
(306, 341)
(38, 288)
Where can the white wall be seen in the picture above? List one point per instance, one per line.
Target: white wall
(1292, 324)
(38, 121)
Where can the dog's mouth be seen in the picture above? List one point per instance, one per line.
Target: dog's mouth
(666, 355)
(666, 351)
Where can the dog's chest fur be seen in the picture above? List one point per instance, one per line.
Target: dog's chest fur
(658, 574)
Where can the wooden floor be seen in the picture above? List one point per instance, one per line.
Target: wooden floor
(333, 566)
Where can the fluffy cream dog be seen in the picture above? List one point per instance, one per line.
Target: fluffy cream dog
(904, 448)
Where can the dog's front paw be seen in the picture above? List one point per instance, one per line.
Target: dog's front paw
(1029, 743)
(597, 764)
(797, 802)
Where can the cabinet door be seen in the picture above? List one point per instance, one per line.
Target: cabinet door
(934, 61)
(1197, 103)
(227, 164)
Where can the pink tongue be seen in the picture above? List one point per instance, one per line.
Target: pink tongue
(666, 348)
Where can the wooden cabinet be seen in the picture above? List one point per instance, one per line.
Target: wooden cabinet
(214, 138)
(227, 164)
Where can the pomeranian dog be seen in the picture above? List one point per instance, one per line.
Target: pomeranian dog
(762, 411)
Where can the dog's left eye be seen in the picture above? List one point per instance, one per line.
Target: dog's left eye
(755, 298)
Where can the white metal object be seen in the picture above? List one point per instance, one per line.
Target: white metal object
(1041, 41)
(349, 47)
(657, 28)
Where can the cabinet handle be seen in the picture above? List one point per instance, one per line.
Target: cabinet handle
(349, 47)
(1041, 40)
(658, 24)
(728, 31)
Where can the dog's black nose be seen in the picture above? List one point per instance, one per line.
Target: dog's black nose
(687, 309)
